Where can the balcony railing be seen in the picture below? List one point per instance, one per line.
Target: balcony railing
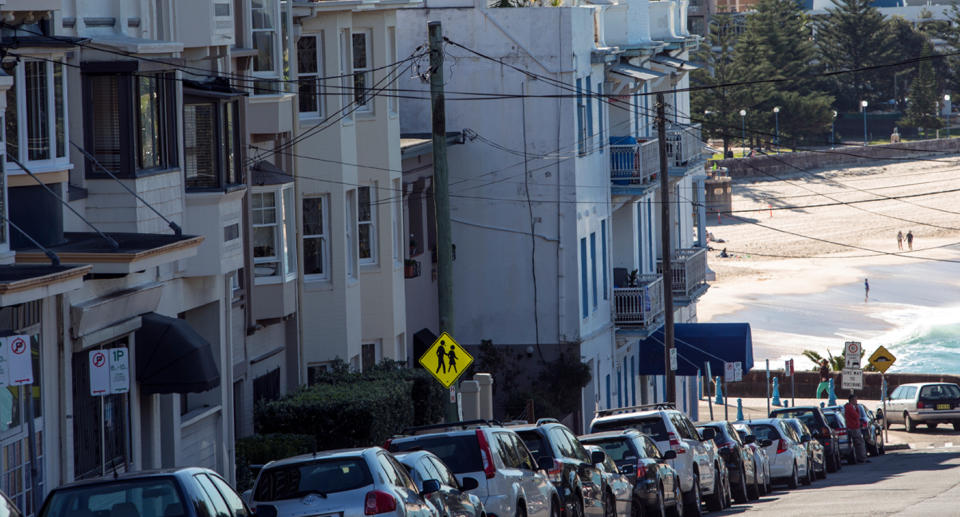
(683, 145)
(689, 275)
(634, 164)
(639, 306)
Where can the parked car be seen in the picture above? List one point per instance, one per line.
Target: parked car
(448, 495)
(697, 463)
(511, 483)
(929, 403)
(760, 459)
(7, 508)
(185, 492)
(870, 427)
(738, 458)
(814, 418)
(572, 470)
(656, 485)
(367, 481)
(815, 453)
(788, 457)
(618, 483)
(839, 425)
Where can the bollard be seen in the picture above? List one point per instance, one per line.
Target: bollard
(486, 395)
(739, 409)
(719, 393)
(470, 398)
(832, 394)
(776, 392)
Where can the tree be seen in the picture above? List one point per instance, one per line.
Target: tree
(924, 97)
(854, 35)
(909, 45)
(716, 102)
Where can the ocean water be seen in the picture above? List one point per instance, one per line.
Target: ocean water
(924, 339)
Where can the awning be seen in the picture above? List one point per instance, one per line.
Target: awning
(679, 64)
(696, 344)
(173, 358)
(635, 72)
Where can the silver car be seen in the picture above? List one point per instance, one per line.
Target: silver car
(760, 458)
(440, 487)
(346, 483)
(929, 403)
(619, 484)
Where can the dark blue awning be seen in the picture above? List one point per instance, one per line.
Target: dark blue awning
(698, 343)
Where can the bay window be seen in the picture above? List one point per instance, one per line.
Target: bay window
(310, 71)
(274, 248)
(367, 225)
(210, 144)
(265, 22)
(362, 52)
(36, 126)
(316, 257)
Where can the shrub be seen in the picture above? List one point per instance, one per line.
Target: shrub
(260, 449)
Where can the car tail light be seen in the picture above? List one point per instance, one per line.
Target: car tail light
(555, 471)
(842, 431)
(781, 446)
(864, 424)
(919, 404)
(386, 444)
(378, 502)
(489, 469)
(641, 470)
(675, 443)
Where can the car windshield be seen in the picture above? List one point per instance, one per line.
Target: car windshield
(150, 497)
(940, 391)
(652, 427)
(323, 476)
(805, 416)
(460, 453)
(765, 432)
(618, 449)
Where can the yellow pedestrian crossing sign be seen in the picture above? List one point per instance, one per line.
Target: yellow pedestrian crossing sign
(882, 359)
(446, 360)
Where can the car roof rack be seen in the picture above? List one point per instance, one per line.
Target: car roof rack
(634, 409)
(464, 425)
(547, 421)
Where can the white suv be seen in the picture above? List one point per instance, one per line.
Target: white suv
(511, 484)
(697, 463)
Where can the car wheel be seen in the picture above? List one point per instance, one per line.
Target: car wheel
(883, 447)
(554, 510)
(521, 509)
(715, 500)
(808, 479)
(794, 480)
(609, 506)
(839, 461)
(956, 426)
(832, 462)
(754, 491)
(875, 448)
(578, 505)
(909, 423)
(931, 426)
(691, 505)
(677, 500)
(740, 495)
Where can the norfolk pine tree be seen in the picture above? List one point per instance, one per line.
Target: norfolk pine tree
(716, 60)
(924, 97)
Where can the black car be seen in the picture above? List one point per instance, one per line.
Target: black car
(186, 492)
(738, 458)
(814, 418)
(571, 469)
(638, 458)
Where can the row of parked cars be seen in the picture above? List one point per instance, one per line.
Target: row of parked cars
(636, 461)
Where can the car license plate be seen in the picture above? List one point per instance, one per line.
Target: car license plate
(943, 406)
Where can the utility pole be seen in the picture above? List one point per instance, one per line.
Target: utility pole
(441, 194)
(667, 248)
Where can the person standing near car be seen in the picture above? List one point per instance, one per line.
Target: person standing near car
(824, 386)
(851, 413)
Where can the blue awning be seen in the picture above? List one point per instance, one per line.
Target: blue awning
(698, 343)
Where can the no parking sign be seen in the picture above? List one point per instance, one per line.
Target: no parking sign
(19, 361)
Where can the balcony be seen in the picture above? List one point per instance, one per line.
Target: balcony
(640, 306)
(689, 278)
(684, 147)
(634, 163)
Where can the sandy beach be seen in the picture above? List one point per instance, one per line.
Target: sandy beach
(796, 272)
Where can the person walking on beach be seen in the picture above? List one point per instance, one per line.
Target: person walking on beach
(824, 386)
(900, 240)
(851, 414)
(910, 239)
(441, 354)
(866, 289)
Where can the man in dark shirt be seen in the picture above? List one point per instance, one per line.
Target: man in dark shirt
(824, 386)
(851, 414)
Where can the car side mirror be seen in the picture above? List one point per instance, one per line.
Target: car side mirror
(766, 442)
(670, 455)
(805, 438)
(598, 457)
(707, 433)
(469, 483)
(748, 439)
(430, 486)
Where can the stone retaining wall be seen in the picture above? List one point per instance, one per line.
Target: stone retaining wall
(754, 383)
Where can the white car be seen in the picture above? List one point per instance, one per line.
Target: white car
(786, 452)
(929, 403)
(697, 463)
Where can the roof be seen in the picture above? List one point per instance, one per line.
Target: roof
(630, 416)
(26, 282)
(320, 455)
(419, 144)
(636, 72)
(134, 251)
(607, 434)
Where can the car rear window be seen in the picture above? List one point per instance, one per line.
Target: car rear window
(616, 448)
(460, 453)
(652, 427)
(940, 392)
(151, 497)
(538, 446)
(833, 419)
(765, 432)
(322, 476)
(805, 416)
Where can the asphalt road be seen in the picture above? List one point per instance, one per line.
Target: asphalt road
(913, 482)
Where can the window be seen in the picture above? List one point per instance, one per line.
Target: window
(264, 16)
(132, 123)
(581, 120)
(366, 224)
(415, 219)
(349, 232)
(273, 233)
(361, 42)
(603, 257)
(36, 125)
(210, 145)
(593, 266)
(369, 355)
(266, 387)
(392, 57)
(395, 203)
(315, 255)
(216, 502)
(584, 292)
(310, 69)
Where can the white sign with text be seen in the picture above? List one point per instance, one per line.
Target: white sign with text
(19, 361)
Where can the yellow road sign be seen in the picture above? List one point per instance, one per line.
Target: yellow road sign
(446, 360)
(882, 359)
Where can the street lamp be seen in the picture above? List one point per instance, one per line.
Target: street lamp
(833, 123)
(743, 130)
(946, 104)
(776, 117)
(863, 107)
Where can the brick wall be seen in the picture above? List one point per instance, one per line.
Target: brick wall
(754, 383)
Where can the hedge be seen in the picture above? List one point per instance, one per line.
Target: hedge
(260, 449)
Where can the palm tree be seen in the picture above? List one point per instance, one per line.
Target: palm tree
(837, 363)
